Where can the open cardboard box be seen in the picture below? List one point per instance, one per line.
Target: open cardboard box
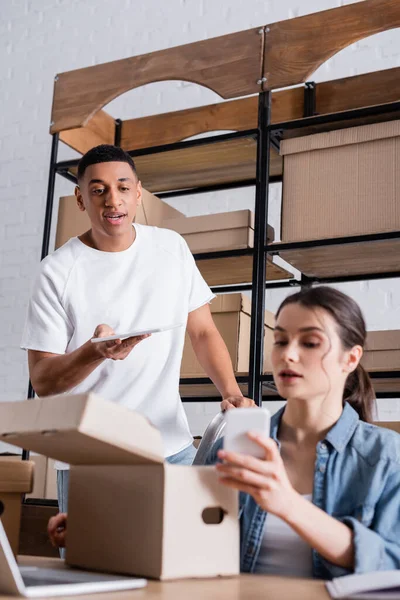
(129, 512)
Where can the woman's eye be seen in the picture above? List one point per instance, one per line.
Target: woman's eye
(280, 343)
(311, 344)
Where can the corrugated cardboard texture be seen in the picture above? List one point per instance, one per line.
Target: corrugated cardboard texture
(382, 351)
(220, 231)
(339, 183)
(81, 429)
(147, 521)
(115, 520)
(192, 548)
(72, 221)
(231, 314)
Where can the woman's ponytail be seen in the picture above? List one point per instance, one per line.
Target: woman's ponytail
(360, 394)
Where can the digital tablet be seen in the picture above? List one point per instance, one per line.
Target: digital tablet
(124, 336)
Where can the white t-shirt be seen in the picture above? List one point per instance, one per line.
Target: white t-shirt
(155, 282)
(283, 552)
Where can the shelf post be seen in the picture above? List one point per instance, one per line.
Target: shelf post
(259, 256)
(46, 232)
(50, 196)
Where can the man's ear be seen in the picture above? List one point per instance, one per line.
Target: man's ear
(139, 191)
(353, 358)
(79, 199)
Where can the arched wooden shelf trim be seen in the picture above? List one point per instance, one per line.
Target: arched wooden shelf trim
(294, 49)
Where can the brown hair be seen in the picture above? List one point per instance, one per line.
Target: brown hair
(358, 390)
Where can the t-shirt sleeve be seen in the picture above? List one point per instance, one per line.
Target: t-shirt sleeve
(199, 292)
(47, 326)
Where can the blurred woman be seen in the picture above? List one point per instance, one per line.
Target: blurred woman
(325, 501)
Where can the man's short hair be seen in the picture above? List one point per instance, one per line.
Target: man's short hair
(101, 154)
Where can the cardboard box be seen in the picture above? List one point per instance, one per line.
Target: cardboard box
(341, 183)
(16, 478)
(50, 490)
(382, 351)
(393, 425)
(232, 317)
(72, 221)
(33, 537)
(44, 476)
(221, 231)
(39, 472)
(129, 512)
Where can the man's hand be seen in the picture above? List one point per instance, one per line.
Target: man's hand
(115, 349)
(57, 530)
(237, 402)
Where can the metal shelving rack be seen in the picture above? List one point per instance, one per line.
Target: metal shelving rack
(259, 58)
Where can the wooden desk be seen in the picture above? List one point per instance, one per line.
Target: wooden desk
(244, 587)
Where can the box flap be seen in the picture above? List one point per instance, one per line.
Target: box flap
(81, 429)
(154, 211)
(340, 137)
(383, 340)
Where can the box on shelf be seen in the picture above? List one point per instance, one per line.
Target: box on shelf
(382, 351)
(16, 478)
(232, 317)
(341, 183)
(44, 476)
(39, 472)
(221, 231)
(393, 425)
(72, 221)
(121, 491)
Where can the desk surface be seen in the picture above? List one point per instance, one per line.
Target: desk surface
(244, 587)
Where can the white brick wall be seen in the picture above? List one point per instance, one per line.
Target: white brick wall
(39, 38)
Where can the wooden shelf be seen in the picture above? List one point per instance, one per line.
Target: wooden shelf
(198, 166)
(208, 390)
(349, 259)
(236, 269)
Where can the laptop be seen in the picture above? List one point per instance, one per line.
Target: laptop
(38, 582)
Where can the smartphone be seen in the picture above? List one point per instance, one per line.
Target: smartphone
(239, 421)
(124, 336)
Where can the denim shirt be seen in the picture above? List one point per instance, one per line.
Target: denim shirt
(357, 481)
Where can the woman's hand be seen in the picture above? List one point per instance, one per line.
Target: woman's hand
(57, 530)
(265, 479)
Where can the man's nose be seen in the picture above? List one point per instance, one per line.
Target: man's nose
(113, 198)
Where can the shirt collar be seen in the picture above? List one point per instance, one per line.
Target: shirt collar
(338, 436)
